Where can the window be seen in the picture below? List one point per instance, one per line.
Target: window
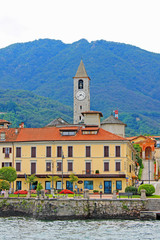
(106, 166)
(33, 186)
(106, 151)
(130, 168)
(48, 166)
(80, 118)
(80, 107)
(33, 167)
(69, 185)
(48, 151)
(58, 185)
(59, 166)
(70, 166)
(119, 185)
(33, 152)
(6, 164)
(3, 136)
(118, 166)
(88, 151)
(18, 185)
(70, 151)
(18, 166)
(80, 84)
(59, 151)
(88, 167)
(88, 185)
(18, 152)
(68, 133)
(47, 185)
(7, 151)
(118, 151)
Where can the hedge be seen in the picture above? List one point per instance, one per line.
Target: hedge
(150, 189)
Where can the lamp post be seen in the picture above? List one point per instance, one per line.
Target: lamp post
(62, 169)
(149, 169)
(52, 175)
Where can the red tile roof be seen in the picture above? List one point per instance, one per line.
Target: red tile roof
(3, 121)
(10, 134)
(53, 134)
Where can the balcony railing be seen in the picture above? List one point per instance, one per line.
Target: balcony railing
(87, 171)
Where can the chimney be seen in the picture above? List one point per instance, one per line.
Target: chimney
(116, 114)
(92, 117)
(21, 125)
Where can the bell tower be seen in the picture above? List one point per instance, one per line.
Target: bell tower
(81, 93)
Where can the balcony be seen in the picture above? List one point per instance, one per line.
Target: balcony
(88, 172)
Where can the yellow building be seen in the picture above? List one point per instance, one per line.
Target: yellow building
(101, 160)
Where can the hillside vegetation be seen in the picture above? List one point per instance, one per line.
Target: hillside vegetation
(35, 111)
(122, 76)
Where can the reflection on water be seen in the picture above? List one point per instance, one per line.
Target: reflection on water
(28, 228)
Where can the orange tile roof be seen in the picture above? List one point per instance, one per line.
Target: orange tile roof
(3, 121)
(90, 129)
(53, 134)
(10, 134)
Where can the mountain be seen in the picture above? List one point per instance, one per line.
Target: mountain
(122, 76)
(35, 111)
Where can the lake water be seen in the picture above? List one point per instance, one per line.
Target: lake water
(28, 228)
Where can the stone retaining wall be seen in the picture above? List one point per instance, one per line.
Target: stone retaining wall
(52, 209)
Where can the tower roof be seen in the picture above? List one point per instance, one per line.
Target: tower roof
(112, 120)
(81, 72)
(57, 121)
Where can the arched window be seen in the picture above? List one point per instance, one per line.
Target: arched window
(80, 84)
(148, 153)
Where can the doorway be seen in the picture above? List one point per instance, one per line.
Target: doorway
(107, 187)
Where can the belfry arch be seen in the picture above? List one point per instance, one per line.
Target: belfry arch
(148, 153)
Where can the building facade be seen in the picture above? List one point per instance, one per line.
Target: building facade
(101, 160)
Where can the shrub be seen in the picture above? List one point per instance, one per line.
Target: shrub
(4, 185)
(39, 187)
(131, 189)
(150, 189)
(95, 191)
(140, 173)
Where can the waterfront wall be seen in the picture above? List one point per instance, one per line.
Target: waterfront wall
(52, 209)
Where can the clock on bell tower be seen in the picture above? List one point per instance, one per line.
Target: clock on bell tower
(81, 93)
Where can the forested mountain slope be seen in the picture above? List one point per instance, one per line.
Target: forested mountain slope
(122, 76)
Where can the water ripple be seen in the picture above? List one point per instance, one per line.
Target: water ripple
(30, 229)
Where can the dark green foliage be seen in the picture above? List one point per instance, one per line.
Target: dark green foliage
(39, 187)
(122, 76)
(4, 185)
(150, 189)
(131, 189)
(140, 173)
(35, 111)
(8, 173)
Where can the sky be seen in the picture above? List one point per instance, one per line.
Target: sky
(135, 22)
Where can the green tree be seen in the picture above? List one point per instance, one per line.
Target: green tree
(73, 179)
(39, 187)
(4, 185)
(8, 173)
(31, 179)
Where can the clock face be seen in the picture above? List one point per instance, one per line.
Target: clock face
(80, 95)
